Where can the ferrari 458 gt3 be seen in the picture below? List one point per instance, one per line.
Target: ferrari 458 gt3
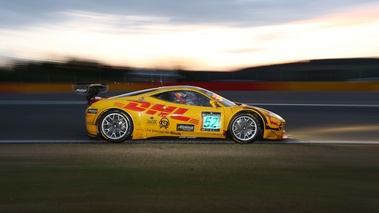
(176, 111)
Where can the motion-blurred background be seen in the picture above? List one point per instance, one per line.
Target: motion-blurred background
(164, 42)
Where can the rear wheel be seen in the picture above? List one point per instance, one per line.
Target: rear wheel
(115, 126)
(245, 128)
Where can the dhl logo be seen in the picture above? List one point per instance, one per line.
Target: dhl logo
(159, 110)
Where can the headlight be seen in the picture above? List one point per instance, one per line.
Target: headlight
(273, 115)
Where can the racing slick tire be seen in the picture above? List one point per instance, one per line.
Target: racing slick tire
(115, 126)
(245, 128)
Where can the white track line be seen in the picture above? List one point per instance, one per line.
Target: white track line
(341, 142)
(47, 141)
(289, 141)
(294, 141)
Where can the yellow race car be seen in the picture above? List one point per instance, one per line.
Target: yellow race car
(176, 111)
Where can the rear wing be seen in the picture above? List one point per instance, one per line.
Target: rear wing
(90, 90)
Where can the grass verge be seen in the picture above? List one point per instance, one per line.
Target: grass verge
(189, 178)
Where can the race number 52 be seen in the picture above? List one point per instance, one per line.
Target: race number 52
(211, 121)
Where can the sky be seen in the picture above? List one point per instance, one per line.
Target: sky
(188, 34)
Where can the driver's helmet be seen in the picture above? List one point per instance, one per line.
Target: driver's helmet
(180, 97)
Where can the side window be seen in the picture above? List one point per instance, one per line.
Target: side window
(185, 97)
(202, 100)
(163, 96)
(175, 97)
(189, 98)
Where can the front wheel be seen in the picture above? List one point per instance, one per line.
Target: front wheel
(115, 126)
(245, 128)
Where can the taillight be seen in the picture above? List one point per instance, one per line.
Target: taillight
(94, 100)
(92, 111)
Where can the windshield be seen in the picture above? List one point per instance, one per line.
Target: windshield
(219, 98)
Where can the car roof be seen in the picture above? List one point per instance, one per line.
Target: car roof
(158, 90)
(176, 87)
(180, 87)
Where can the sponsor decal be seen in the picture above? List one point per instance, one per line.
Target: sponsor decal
(188, 137)
(211, 121)
(164, 123)
(151, 121)
(185, 127)
(81, 90)
(164, 132)
(175, 133)
(160, 110)
(156, 131)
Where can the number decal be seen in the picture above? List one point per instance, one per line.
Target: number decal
(211, 121)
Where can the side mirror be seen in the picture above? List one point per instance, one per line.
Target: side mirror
(213, 103)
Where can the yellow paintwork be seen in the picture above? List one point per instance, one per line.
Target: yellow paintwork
(153, 117)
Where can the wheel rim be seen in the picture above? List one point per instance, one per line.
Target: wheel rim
(114, 126)
(244, 128)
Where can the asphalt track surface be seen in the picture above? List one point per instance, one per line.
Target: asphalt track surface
(312, 117)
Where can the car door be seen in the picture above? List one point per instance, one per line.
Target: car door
(191, 115)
